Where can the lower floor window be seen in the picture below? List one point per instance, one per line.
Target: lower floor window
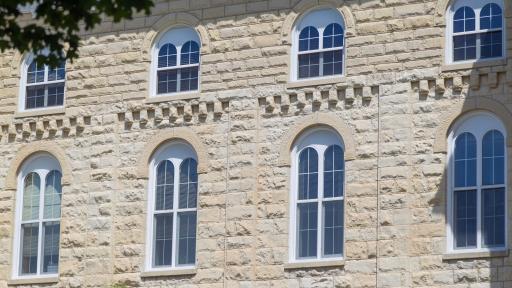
(177, 80)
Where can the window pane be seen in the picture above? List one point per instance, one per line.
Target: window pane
(164, 186)
(333, 228)
(190, 53)
(167, 56)
(35, 97)
(465, 160)
(189, 78)
(187, 237)
(29, 243)
(493, 158)
(493, 222)
(491, 17)
(464, 20)
(57, 73)
(308, 39)
(51, 234)
(492, 44)
(55, 95)
(333, 62)
(308, 174)
(52, 195)
(464, 47)
(333, 172)
(309, 65)
(31, 194)
(163, 240)
(35, 73)
(307, 229)
(465, 219)
(188, 184)
(333, 36)
(167, 81)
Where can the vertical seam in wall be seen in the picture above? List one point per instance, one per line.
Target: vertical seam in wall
(377, 195)
(228, 135)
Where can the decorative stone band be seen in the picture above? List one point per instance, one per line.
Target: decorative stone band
(41, 127)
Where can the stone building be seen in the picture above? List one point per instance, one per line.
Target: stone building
(274, 143)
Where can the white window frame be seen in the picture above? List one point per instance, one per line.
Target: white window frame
(176, 152)
(42, 164)
(477, 6)
(23, 85)
(319, 18)
(319, 139)
(477, 124)
(177, 36)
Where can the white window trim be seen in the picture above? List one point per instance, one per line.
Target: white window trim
(477, 124)
(42, 164)
(23, 86)
(330, 15)
(325, 137)
(177, 36)
(176, 152)
(477, 6)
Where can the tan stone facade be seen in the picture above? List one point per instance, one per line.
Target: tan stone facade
(393, 108)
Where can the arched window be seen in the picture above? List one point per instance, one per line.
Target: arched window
(317, 197)
(176, 62)
(477, 184)
(41, 86)
(318, 48)
(475, 30)
(37, 231)
(172, 218)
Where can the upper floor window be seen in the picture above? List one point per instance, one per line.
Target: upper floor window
(318, 45)
(477, 185)
(475, 30)
(172, 217)
(176, 62)
(317, 197)
(41, 85)
(37, 231)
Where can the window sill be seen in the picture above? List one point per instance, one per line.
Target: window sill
(314, 264)
(162, 273)
(471, 65)
(34, 280)
(475, 255)
(315, 82)
(172, 97)
(40, 112)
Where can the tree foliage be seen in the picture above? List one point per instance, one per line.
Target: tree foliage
(57, 24)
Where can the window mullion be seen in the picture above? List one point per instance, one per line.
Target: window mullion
(175, 204)
(479, 193)
(42, 191)
(320, 221)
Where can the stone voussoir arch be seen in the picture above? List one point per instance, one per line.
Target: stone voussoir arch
(163, 137)
(169, 21)
(302, 7)
(27, 151)
(440, 12)
(317, 120)
(450, 117)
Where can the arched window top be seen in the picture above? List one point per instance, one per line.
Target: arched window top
(491, 17)
(178, 36)
(323, 136)
(175, 151)
(41, 163)
(320, 19)
(477, 124)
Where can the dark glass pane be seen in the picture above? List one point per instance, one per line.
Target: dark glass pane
(189, 78)
(51, 236)
(29, 244)
(333, 62)
(162, 254)
(464, 20)
(190, 53)
(35, 97)
(307, 229)
(491, 17)
(333, 172)
(333, 36)
(308, 180)
(493, 152)
(164, 186)
(55, 95)
(57, 73)
(309, 65)
(167, 56)
(333, 228)
(493, 208)
(188, 184)
(465, 160)
(308, 39)
(491, 44)
(167, 81)
(35, 73)
(187, 237)
(465, 218)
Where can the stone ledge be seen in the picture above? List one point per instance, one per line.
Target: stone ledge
(40, 112)
(475, 255)
(34, 280)
(314, 264)
(316, 82)
(163, 273)
(478, 64)
(173, 97)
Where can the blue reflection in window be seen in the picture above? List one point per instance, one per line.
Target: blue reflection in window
(333, 36)
(308, 39)
(465, 160)
(465, 218)
(167, 56)
(493, 158)
(308, 174)
(491, 17)
(464, 20)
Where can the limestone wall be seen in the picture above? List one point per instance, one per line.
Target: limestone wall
(396, 103)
